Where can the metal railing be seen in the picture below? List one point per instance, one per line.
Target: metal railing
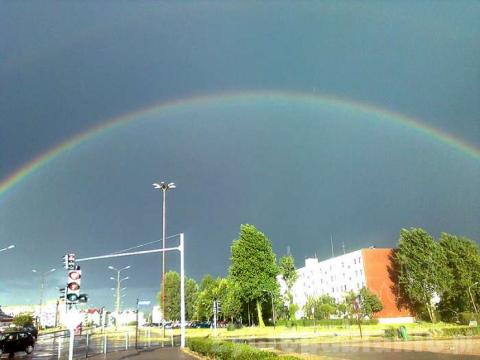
(91, 343)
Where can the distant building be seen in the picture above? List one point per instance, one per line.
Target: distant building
(47, 315)
(157, 315)
(5, 319)
(350, 272)
(128, 317)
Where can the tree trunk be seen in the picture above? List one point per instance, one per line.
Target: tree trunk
(431, 313)
(259, 311)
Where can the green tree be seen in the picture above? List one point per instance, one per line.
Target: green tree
(370, 303)
(321, 307)
(208, 292)
(463, 263)
(289, 274)
(253, 267)
(172, 296)
(423, 271)
(191, 294)
(229, 296)
(23, 319)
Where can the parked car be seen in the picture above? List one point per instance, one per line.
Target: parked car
(32, 330)
(13, 341)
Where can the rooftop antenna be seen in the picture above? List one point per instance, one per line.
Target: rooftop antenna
(331, 243)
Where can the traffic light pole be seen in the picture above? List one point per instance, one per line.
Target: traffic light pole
(180, 248)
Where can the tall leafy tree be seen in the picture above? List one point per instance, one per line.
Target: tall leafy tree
(370, 303)
(191, 294)
(229, 296)
(289, 274)
(172, 296)
(463, 263)
(422, 265)
(253, 267)
(204, 302)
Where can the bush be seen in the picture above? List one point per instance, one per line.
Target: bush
(466, 317)
(227, 350)
(324, 323)
(391, 332)
(461, 331)
(23, 320)
(233, 326)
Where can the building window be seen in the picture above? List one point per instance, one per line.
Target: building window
(354, 261)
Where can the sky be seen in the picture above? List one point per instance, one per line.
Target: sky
(292, 116)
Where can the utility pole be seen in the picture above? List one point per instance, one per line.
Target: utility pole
(42, 288)
(331, 243)
(181, 249)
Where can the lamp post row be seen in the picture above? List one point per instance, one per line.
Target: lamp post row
(119, 281)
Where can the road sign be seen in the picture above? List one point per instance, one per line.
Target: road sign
(144, 302)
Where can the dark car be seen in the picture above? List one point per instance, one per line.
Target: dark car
(11, 342)
(32, 330)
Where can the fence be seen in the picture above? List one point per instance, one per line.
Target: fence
(92, 343)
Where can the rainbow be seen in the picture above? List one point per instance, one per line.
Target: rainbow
(308, 98)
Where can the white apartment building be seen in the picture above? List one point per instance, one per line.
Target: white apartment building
(339, 275)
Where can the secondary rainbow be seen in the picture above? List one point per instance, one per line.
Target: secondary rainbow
(314, 99)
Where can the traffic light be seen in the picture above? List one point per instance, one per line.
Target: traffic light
(69, 261)
(73, 286)
(62, 293)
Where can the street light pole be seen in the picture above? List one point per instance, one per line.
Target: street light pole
(471, 296)
(42, 287)
(163, 187)
(119, 281)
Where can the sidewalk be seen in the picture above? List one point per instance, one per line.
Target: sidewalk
(147, 354)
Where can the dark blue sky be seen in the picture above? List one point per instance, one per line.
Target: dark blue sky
(298, 172)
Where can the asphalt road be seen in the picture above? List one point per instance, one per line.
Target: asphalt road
(47, 346)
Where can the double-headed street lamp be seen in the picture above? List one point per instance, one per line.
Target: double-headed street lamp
(42, 286)
(7, 248)
(119, 281)
(164, 187)
(471, 296)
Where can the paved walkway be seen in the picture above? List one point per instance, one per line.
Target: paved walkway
(147, 354)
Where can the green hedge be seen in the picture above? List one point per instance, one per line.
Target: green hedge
(466, 317)
(324, 323)
(461, 331)
(227, 350)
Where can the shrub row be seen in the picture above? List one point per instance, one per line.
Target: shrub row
(466, 317)
(227, 350)
(325, 322)
(461, 331)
